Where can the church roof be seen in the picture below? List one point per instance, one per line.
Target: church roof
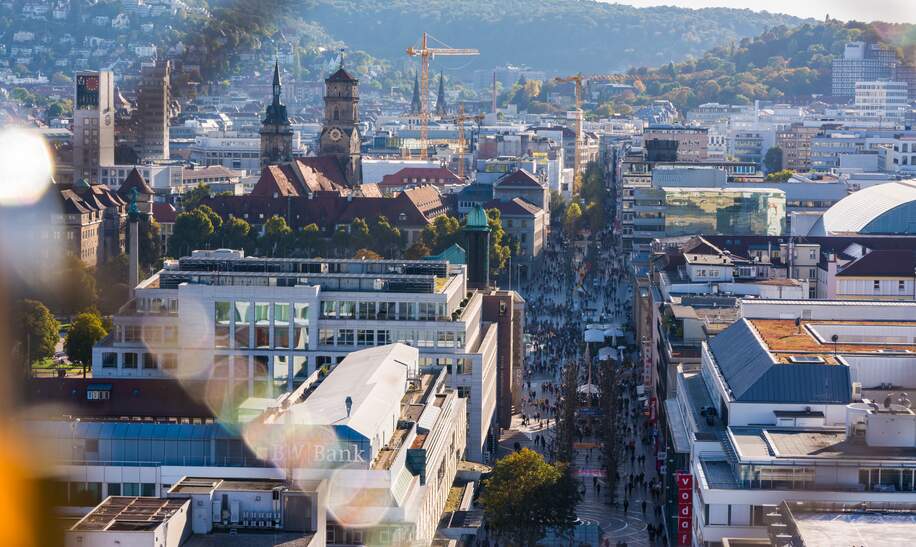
(134, 180)
(477, 220)
(300, 177)
(341, 76)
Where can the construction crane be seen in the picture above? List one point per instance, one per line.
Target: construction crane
(577, 164)
(459, 121)
(425, 53)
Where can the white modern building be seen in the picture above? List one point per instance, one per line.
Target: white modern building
(881, 99)
(234, 150)
(796, 401)
(262, 325)
(371, 448)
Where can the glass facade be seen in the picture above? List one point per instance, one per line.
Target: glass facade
(690, 211)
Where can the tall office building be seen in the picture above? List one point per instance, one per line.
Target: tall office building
(153, 97)
(861, 62)
(882, 100)
(93, 123)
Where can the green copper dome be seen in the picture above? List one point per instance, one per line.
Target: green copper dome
(478, 220)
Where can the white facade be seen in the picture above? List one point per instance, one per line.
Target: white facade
(881, 99)
(266, 339)
(159, 177)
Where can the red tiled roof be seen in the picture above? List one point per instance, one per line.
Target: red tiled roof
(423, 175)
(519, 178)
(513, 207)
(134, 180)
(300, 177)
(164, 212)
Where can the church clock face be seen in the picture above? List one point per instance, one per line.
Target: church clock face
(335, 134)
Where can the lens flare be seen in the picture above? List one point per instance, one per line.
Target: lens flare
(25, 166)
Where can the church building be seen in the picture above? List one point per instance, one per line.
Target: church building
(276, 133)
(340, 137)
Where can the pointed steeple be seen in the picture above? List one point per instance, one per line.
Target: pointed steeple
(415, 101)
(441, 108)
(277, 86)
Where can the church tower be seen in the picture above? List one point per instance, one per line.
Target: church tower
(276, 133)
(340, 137)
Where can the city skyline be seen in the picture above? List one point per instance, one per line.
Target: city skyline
(893, 11)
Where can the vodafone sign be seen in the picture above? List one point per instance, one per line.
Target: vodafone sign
(684, 508)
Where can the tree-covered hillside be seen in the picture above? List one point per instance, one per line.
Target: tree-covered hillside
(553, 35)
(782, 63)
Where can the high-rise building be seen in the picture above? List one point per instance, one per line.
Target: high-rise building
(795, 143)
(861, 62)
(881, 100)
(153, 98)
(93, 123)
(276, 133)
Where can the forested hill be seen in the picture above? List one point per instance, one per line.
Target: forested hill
(781, 63)
(553, 35)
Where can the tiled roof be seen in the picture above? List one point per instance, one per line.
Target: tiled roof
(513, 207)
(300, 177)
(134, 180)
(164, 212)
(519, 178)
(423, 175)
(341, 76)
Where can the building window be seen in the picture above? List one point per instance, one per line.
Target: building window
(301, 325)
(382, 337)
(109, 360)
(345, 337)
(901, 285)
(149, 361)
(221, 328)
(876, 285)
(168, 361)
(130, 360)
(281, 325)
(262, 325)
(365, 337)
(242, 320)
(326, 337)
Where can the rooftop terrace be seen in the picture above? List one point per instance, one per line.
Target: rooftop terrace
(783, 338)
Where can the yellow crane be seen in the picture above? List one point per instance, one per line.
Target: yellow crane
(577, 164)
(425, 53)
(459, 121)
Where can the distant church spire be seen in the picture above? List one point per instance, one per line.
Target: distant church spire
(415, 101)
(441, 107)
(277, 85)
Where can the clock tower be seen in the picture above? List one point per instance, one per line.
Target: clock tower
(276, 133)
(340, 137)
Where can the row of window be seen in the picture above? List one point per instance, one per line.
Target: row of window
(148, 334)
(134, 360)
(419, 338)
(382, 311)
(87, 494)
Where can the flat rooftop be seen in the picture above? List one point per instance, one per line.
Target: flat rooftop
(770, 443)
(784, 339)
(864, 528)
(128, 513)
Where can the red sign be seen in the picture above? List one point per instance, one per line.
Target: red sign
(684, 481)
(684, 508)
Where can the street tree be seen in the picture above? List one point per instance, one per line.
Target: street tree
(500, 250)
(75, 287)
(192, 230)
(772, 161)
(309, 240)
(386, 238)
(35, 330)
(278, 237)
(235, 233)
(526, 496)
(571, 218)
(192, 198)
(85, 331)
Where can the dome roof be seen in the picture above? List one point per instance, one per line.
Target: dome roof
(888, 208)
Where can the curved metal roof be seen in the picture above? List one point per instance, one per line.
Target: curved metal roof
(853, 213)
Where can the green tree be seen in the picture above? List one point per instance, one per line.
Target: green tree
(367, 254)
(150, 243)
(192, 231)
(85, 331)
(309, 240)
(441, 234)
(35, 330)
(500, 250)
(278, 237)
(780, 176)
(359, 234)
(525, 496)
(75, 287)
(192, 198)
(386, 238)
(772, 161)
(571, 218)
(557, 207)
(417, 251)
(235, 233)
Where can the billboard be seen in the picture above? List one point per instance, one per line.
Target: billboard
(684, 508)
(87, 91)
